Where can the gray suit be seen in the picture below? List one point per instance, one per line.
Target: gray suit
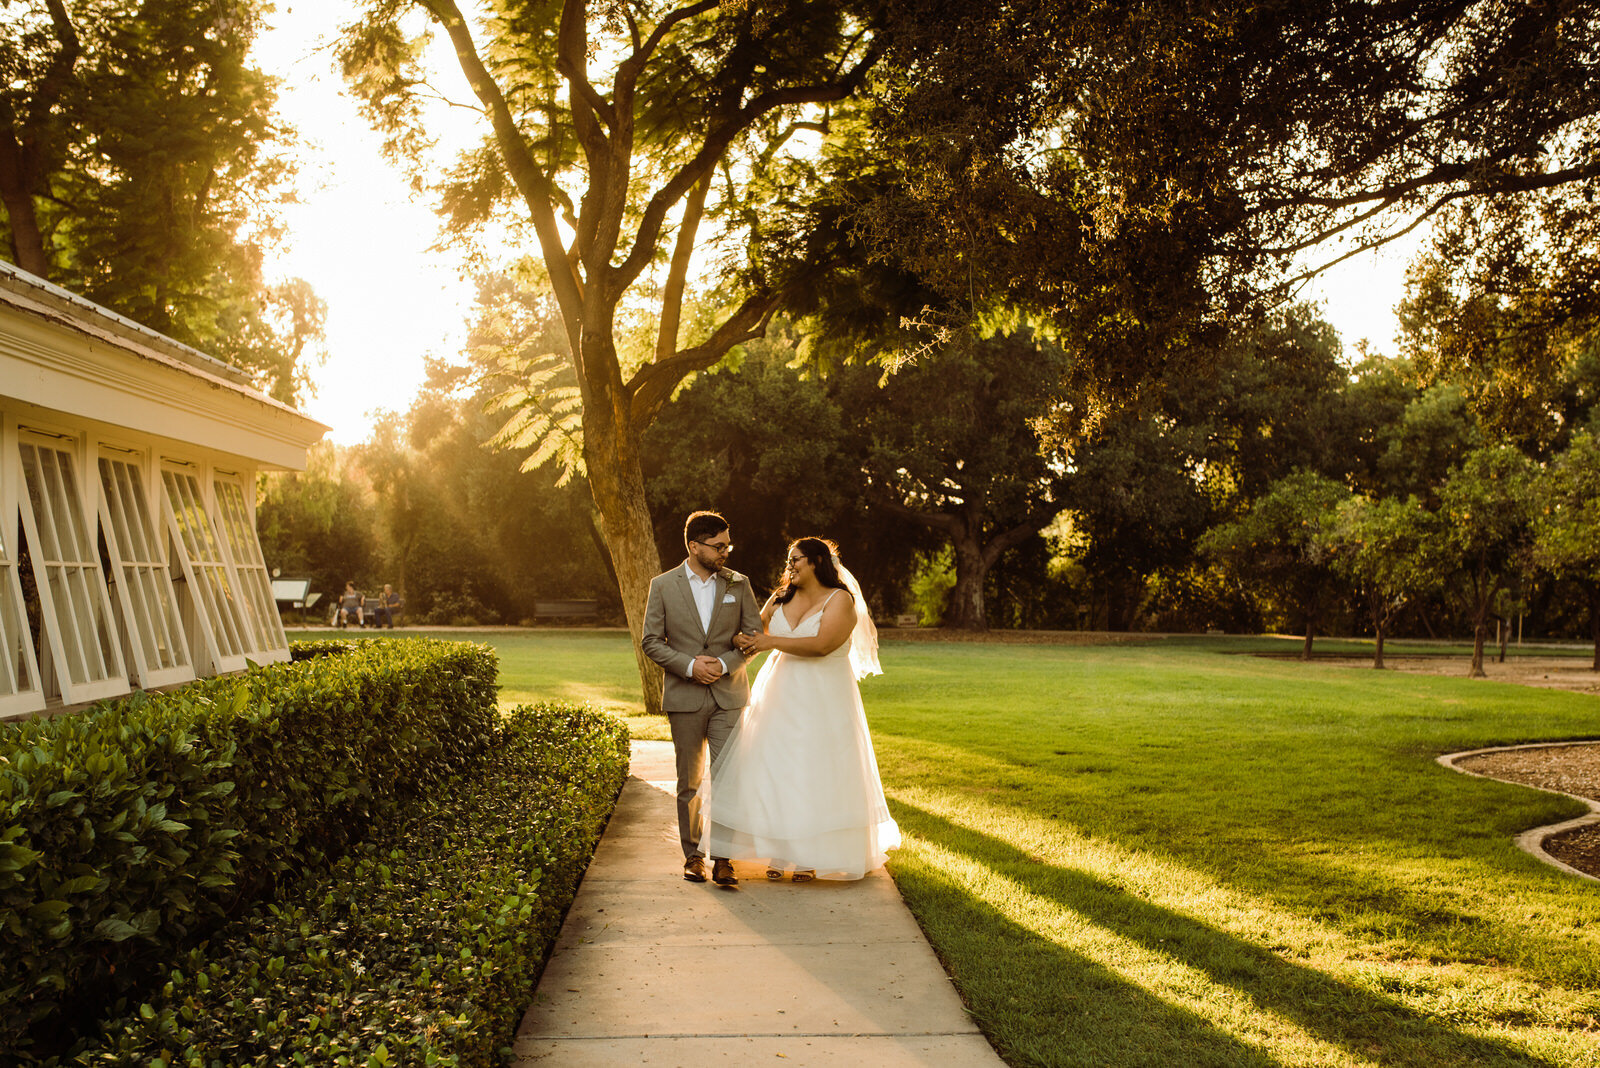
(700, 715)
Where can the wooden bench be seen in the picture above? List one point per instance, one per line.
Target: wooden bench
(369, 613)
(554, 610)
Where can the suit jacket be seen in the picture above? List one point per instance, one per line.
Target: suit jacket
(673, 637)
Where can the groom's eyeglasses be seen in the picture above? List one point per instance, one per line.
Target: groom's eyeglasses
(722, 549)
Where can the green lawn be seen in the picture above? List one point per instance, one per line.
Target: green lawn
(1155, 854)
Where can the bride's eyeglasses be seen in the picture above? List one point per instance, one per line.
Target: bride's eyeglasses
(794, 562)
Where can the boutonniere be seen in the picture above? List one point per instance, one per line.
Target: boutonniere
(733, 578)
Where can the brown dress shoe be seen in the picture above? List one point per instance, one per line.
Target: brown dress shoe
(722, 872)
(694, 869)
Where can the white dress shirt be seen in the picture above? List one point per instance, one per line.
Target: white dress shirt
(704, 592)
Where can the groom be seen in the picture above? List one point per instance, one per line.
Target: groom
(690, 621)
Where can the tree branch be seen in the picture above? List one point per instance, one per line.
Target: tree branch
(1016, 536)
(633, 26)
(536, 187)
(678, 272)
(642, 53)
(944, 521)
(1503, 182)
(54, 83)
(716, 144)
(572, 64)
(1294, 283)
(654, 382)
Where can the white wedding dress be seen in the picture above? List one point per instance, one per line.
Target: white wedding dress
(796, 785)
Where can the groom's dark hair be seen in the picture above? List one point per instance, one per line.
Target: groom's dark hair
(702, 525)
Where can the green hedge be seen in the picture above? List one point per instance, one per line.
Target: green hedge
(131, 829)
(424, 944)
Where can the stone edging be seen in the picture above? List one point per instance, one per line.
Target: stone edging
(1531, 841)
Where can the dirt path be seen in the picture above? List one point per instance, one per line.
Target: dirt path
(1550, 672)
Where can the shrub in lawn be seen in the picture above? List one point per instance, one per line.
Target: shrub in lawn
(133, 828)
(423, 944)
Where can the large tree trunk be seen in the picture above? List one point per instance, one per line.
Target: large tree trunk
(616, 481)
(974, 559)
(27, 243)
(1478, 629)
(1482, 594)
(966, 600)
(1594, 625)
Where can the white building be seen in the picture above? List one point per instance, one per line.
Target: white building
(128, 549)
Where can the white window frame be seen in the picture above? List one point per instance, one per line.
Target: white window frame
(136, 540)
(20, 689)
(76, 646)
(213, 586)
(234, 500)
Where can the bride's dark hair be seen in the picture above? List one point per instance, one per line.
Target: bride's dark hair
(820, 552)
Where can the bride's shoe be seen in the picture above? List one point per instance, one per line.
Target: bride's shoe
(804, 875)
(775, 874)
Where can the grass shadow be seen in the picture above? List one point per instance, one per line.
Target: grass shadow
(1041, 1003)
(1276, 854)
(1361, 1021)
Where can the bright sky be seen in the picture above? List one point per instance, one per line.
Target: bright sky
(358, 236)
(362, 240)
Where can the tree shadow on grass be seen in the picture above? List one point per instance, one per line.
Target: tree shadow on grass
(1040, 1003)
(1356, 1019)
(1363, 902)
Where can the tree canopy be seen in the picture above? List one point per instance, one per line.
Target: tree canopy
(140, 165)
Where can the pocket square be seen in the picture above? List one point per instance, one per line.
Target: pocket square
(727, 598)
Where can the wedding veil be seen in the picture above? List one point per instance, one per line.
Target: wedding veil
(864, 639)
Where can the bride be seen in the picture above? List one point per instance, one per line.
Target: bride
(797, 783)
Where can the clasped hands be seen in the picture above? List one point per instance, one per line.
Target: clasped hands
(751, 644)
(707, 669)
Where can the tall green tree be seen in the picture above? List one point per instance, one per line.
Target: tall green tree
(1150, 479)
(1486, 508)
(608, 131)
(1137, 507)
(1566, 523)
(952, 442)
(1385, 551)
(1279, 548)
(1415, 452)
(141, 163)
(759, 443)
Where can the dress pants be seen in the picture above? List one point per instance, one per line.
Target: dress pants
(692, 734)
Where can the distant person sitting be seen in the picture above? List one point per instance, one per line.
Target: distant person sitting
(350, 607)
(388, 607)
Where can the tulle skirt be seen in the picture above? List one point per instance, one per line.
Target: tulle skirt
(797, 784)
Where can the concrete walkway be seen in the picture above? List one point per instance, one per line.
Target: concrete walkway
(650, 969)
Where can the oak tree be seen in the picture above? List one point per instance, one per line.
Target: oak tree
(627, 138)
